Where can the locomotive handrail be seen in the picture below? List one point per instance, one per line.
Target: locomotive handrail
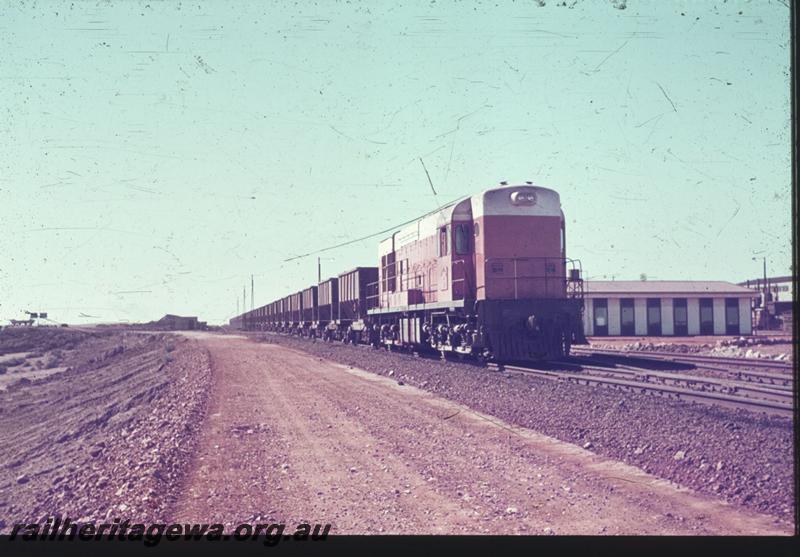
(408, 282)
(573, 287)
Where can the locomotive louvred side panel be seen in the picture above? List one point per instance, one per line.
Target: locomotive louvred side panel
(430, 260)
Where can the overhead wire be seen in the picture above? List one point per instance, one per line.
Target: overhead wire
(367, 237)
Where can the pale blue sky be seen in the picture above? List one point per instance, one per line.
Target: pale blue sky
(155, 154)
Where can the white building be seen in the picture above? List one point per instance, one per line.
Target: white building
(666, 307)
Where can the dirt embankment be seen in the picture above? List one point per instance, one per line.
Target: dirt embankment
(107, 434)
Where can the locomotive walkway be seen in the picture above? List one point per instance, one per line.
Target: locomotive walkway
(291, 438)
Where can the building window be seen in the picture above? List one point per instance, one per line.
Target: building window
(600, 317)
(680, 317)
(627, 317)
(706, 316)
(654, 316)
(731, 316)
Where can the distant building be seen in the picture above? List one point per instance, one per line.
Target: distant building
(779, 304)
(178, 323)
(666, 308)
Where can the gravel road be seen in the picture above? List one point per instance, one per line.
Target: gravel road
(735, 455)
(292, 437)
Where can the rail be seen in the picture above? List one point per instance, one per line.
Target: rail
(744, 370)
(693, 358)
(773, 407)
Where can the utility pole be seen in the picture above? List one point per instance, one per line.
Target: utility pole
(244, 298)
(319, 270)
(766, 294)
(237, 305)
(252, 303)
(763, 320)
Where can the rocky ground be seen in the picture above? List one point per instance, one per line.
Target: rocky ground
(151, 427)
(108, 434)
(736, 455)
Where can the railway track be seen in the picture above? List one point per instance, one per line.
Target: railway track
(772, 399)
(711, 384)
(668, 385)
(691, 358)
(772, 373)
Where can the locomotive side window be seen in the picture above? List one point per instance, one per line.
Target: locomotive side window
(462, 239)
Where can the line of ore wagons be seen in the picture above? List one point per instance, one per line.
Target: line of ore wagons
(335, 303)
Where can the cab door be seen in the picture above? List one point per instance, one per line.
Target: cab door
(463, 261)
(444, 263)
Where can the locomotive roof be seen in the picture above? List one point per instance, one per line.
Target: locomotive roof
(492, 201)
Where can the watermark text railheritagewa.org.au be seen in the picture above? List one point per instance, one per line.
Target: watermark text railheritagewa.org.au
(152, 534)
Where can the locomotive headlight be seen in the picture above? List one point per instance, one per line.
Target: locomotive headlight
(523, 198)
(532, 324)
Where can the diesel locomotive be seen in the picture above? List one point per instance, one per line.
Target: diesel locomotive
(486, 276)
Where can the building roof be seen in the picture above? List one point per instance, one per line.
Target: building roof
(770, 280)
(170, 317)
(680, 287)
